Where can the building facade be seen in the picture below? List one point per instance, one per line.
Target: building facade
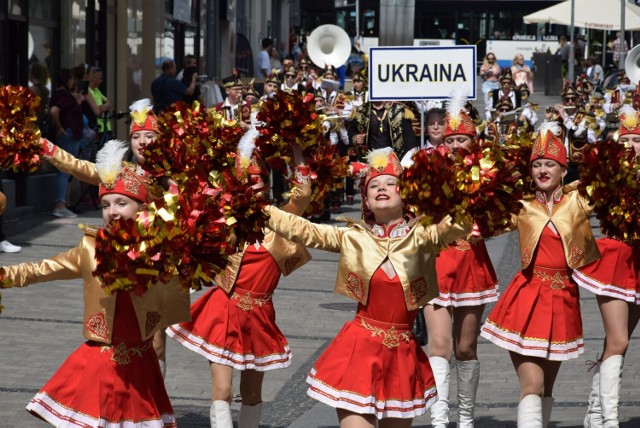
(129, 40)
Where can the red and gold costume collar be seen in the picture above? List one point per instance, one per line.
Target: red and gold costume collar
(395, 230)
(557, 196)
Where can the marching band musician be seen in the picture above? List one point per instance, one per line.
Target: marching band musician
(359, 94)
(615, 98)
(506, 89)
(336, 101)
(290, 83)
(528, 117)
(378, 124)
(501, 124)
(271, 84)
(231, 106)
(577, 123)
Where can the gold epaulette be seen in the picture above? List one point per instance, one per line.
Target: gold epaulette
(89, 229)
(351, 221)
(570, 187)
(408, 114)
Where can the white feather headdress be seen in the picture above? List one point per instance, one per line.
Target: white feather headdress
(139, 110)
(109, 161)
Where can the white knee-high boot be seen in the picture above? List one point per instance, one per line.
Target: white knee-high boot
(212, 416)
(468, 377)
(593, 418)
(547, 407)
(440, 409)
(222, 411)
(530, 412)
(610, 371)
(250, 416)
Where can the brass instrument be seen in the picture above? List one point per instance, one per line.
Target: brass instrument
(329, 45)
(632, 65)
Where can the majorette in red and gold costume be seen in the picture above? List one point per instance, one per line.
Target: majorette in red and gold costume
(465, 274)
(539, 313)
(233, 323)
(374, 366)
(142, 119)
(113, 379)
(617, 273)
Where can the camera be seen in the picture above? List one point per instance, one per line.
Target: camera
(203, 78)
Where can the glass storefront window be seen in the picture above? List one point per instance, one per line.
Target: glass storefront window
(134, 45)
(78, 33)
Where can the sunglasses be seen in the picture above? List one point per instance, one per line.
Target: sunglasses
(569, 100)
(491, 57)
(504, 110)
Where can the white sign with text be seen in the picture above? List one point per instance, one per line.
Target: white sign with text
(421, 72)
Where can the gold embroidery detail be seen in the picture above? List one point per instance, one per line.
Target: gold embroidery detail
(246, 302)
(225, 279)
(122, 355)
(97, 324)
(290, 264)
(525, 255)
(557, 280)
(390, 338)
(576, 255)
(419, 289)
(355, 285)
(462, 245)
(153, 318)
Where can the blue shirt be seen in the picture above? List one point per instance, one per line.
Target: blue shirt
(165, 91)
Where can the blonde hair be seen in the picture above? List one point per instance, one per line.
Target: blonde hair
(513, 61)
(485, 61)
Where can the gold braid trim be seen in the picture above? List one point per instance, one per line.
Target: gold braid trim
(122, 354)
(390, 338)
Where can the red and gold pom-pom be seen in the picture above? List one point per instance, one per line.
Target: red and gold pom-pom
(609, 180)
(128, 257)
(19, 134)
(328, 172)
(207, 214)
(193, 141)
(428, 185)
(478, 186)
(492, 186)
(287, 119)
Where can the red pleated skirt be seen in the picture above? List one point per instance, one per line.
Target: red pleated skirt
(539, 316)
(374, 365)
(616, 274)
(371, 369)
(465, 276)
(238, 331)
(117, 385)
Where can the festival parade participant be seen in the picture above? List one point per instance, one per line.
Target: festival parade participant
(467, 282)
(114, 378)
(537, 318)
(233, 323)
(615, 280)
(143, 130)
(374, 369)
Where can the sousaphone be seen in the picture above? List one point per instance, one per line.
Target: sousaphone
(632, 65)
(329, 45)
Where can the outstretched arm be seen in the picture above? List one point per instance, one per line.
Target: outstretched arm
(83, 170)
(63, 266)
(299, 230)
